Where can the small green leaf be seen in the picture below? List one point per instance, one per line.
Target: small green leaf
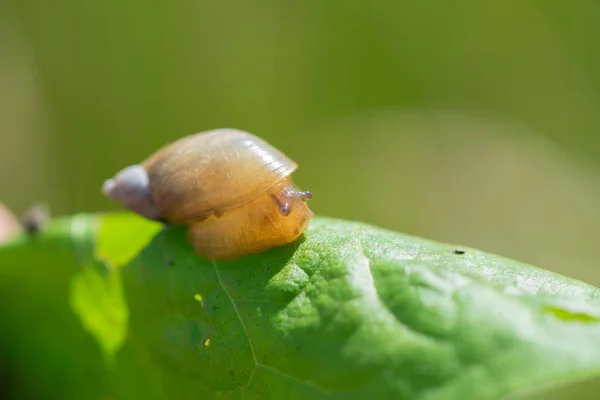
(121, 237)
(96, 290)
(97, 298)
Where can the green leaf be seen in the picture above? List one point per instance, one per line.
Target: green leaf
(97, 298)
(354, 311)
(121, 236)
(44, 351)
(349, 311)
(96, 290)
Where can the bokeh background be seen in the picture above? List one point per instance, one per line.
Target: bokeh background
(463, 121)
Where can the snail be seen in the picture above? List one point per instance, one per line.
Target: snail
(232, 189)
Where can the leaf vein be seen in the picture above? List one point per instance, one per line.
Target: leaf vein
(293, 378)
(237, 312)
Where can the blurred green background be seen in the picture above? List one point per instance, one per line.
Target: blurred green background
(463, 121)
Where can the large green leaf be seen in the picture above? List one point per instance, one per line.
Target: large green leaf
(349, 311)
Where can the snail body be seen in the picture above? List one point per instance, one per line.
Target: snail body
(232, 189)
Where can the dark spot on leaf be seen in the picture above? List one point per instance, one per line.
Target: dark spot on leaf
(169, 262)
(459, 251)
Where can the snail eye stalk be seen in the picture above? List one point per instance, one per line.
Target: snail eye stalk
(305, 195)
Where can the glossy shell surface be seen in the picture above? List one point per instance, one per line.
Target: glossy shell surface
(213, 172)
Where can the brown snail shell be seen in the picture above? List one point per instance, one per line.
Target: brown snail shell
(231, 188)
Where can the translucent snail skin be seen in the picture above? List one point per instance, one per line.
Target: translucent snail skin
(232, 189)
